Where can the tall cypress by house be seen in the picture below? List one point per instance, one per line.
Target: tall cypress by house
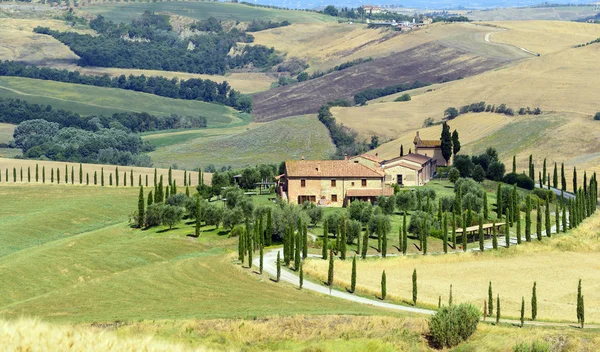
(522, 311)
(464, 233)
(499, 201)
(446, 142)
(383, 286)
(454, 230)
(490, 300)
(262, 258)
(539, 220)
(498, 310)
(528, 219)
(365, 243)
(343, 238)
(414, 287)
(141, 204)
(486, 214)
(544, 172)
(534, 301)
(278, 266)
(353, 277)
(43, 174)
(518, 221)
(548, 219)
(481, 239)
(555, 177)
(575, 179)
(445, 233)
(330, 272)
(514, 165)
(494, 236)
(198, 216)
(325, 247)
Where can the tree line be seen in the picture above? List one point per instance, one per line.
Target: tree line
(344, 138)
(451, 112)
(363, 96)
(191, 89)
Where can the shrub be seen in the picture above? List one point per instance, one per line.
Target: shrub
(535, 346)
(478, 173)
(453, 324)
(521, 180)
(360, 211)
(406, 201)
(544, 194)
(453, 174)
(420, 221)
(353, 229)
(450, 113)
(403, 97)
(464, 165)
(447, 203)
(597, 116)
(496, 171)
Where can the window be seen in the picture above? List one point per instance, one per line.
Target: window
(334, 198)
(363, 182)
(302, 183)
(332, 183)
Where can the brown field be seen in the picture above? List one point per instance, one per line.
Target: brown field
(545, 37)
(555, 264)
(325, 45)
(9, 164)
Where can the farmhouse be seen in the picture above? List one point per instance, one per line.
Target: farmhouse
(430, 147)
(406, 170)
(331, 182)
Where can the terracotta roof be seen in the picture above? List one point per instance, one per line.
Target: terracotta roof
(429, 143)
(368, 157)
(329, 168)
(415, 158)
(406, 165)
(370, 192)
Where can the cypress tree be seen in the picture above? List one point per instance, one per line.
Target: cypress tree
(278, 266)
(325, 239)
(540, 180)
(300, 277)
(379, 231)
(57, 176)
(131, 178)
(80, 173)
(498, 310)
(330, 271)
(404, 234)
(66, 175)
(383, 286)
(365, 243)
(481, 246)
(445, 233)
(241, 247)
(43, 174)
(95, 178)
(544, 172)
(37, 170)
(515, 206)
(450, 296)
(575, 179)
(190, 179)
(486, 214)
(146, 183)
(459, 208)
(528, 219)
(72, 175)
(509, 211)
(262, 255)
(150, 199)
(167, 192)
(141, 208)
(582, 314)
(555, 177)
(269, 228)
(454, 230)
(87, 178)
(353, 278)
(185, 177)
(564, 218)
(250, 248)
(51, 175)
(425, 237)
(383, 242)
(563, 179)
(102, 177)
(28, 174)
(155, 178)
(187, 192)
(125, 178)
(414, 287)
(494, 237)
(490, 300)
(514, 166)
(531, 170)
(170, 176)
(337, 239)
(464, 233)
(343, 239)
(439, 215)
(304, 241)
(579, 302)
(534, 302)
(518, 214)
(507, 236)
(522, 311)
(139, 180)
(197, 211)
(439, 301)
(548, 220)
(117, 176)
(14, 175)
(499, 202)
(298, 246)
(539, 221)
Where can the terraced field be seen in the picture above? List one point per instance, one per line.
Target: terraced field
(256, 144)
(90, 100)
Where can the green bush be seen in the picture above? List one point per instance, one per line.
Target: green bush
(544, 194)
(597, 116)
(403, 97)
(536, 346)
(522, 180)
(453, 324)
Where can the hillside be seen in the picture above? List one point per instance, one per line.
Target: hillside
(435, 59)
(558, 13)
(256, 144)
(91, 100)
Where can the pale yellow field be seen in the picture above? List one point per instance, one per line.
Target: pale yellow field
(327, 45)
(545, 37)
(33, 335)
(91, 168)
(555, 264)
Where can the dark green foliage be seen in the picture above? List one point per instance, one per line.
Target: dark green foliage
(534, 301)
(141, 205)
(304, 241)
(198, 216)
(446, 140)
(490, 300)
(445, 233)
(563, 179)
(455, 143)
(521, 180)
(528, 219)
(36, 172)
(353, 278)
(522, 311)
(478, 173)
(383, 286)
(548, 220)
(365, 244)
(403, 97)
(325, 247)
(499, 201)
(363, 96)
(343, 239)
(453, 324)
(481, 236)
(414, 287)
(404, 235)
(344, 139)
(539, 220)
(494, 237)
(330, 271)
(261, 260)
(498, 310)
(579, 295)
(300, 276)
(278, 265)
(555, 177)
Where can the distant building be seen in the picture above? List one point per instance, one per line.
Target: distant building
(431, 147)
(370, 9)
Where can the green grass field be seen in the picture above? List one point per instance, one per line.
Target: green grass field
(203, 10)
(90, 100)
(273, 142)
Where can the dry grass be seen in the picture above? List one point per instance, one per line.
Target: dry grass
(555, 264)
(545, 37)
(9, 164)
(6, 132)
(33, 335)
